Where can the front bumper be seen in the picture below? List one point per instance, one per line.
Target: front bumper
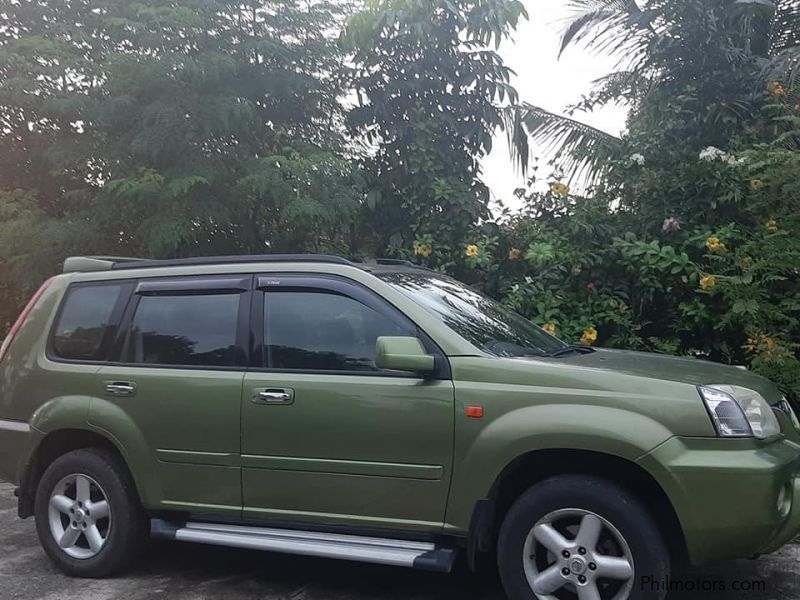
(726, 492)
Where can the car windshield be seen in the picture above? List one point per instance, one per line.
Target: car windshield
(485, 323)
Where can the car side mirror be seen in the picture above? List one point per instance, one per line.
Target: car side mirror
(403, 354)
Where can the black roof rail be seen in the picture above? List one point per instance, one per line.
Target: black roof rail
(228, 260)
(393, 262)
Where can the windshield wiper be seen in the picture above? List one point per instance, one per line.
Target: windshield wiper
(570, 350)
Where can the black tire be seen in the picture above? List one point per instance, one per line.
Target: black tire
(611, 502)
(129, 526)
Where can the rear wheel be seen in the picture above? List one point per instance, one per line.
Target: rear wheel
(581, 537)
(88, 516)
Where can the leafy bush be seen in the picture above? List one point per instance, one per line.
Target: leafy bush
(594, 271)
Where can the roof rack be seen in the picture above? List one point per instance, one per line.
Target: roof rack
(392, 262)
(78, 264)
(389, 262)
(107, 263)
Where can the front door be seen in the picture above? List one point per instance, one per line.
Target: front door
(327, 437)
(178, 379)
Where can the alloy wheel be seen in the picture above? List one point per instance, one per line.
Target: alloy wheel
(80, 516)
(575, 552)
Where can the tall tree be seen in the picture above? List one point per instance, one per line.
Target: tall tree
(427, 85)
(709, 53)
(167, 128)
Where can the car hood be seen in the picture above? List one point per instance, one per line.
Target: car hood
(673, 368)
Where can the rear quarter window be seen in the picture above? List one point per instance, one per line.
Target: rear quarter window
(85, 326)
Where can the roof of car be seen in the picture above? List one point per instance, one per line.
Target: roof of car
(83, 264)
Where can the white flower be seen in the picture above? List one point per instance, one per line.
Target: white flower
(733, 161)
(637, 158)
(515, 288)
(711, 154)
(529, 280)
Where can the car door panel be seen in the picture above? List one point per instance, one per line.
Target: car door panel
(355, 445)
(190, 421)
(178, 379)
(355, 449)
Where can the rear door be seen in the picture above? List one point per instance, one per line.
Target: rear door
(326, 436)
(178, 376)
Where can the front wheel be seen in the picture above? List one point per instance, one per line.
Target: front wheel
(574, 536)
(88, 516)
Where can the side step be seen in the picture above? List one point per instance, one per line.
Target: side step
(401, 553)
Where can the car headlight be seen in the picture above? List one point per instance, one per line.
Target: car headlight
(739, 412)
(786, 409)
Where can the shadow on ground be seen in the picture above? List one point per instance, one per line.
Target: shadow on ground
(183, 571)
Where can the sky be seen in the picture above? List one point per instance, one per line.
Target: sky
(547, 81)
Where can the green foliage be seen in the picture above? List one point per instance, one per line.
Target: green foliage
(32, 246)
(427, 88)
(175, 129)
(690, 241)
(159, 129)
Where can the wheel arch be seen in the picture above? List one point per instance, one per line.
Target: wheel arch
(54, 444)
(535, 466)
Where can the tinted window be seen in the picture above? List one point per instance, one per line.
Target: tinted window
(323, 331)
(84, 326)
(480, 320)
(185, 330)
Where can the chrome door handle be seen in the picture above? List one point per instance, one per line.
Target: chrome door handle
(273, 396)
(120, 388)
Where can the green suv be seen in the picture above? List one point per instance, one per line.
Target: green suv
(376, 412)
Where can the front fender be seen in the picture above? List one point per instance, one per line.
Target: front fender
(483, 451)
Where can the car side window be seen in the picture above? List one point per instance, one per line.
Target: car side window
(320, 330)
(185, 330)
(84, 327)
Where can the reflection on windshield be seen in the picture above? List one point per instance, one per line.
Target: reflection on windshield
(480, 320)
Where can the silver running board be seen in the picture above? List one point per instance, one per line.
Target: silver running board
(401, 553)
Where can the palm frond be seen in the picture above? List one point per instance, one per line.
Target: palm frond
(752, 20)
(784, 67)
(576, 146)
(626, 87)
(612, 27)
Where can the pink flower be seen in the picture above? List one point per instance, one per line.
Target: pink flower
(671, 224)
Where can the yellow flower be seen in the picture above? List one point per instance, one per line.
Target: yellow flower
(576, 269)
(622, 307)
(514, 254)
(715, 245)
(772, 225)
(756, 185)
(589, 336)
(472, 250)
(422, 250)
(560, 189)
(779, 90)
(550, 328)
(708, 282)
(761, 342)
(746, 262)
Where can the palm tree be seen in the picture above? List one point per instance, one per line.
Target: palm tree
(661, 46)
